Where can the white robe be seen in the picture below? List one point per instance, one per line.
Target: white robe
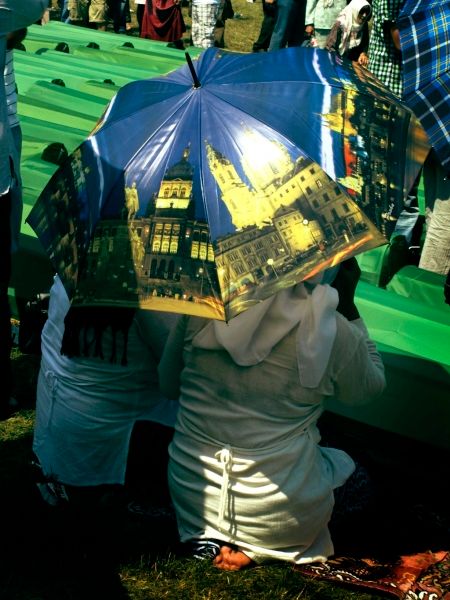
(245, 464)
(86, 407)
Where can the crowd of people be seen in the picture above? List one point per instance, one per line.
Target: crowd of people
(285, 23)
(249, 478)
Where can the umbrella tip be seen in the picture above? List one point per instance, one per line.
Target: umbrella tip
(192, 70)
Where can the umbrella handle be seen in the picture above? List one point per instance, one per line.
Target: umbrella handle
(192, 70)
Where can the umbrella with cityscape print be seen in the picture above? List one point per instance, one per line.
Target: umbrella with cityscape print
(205, 191)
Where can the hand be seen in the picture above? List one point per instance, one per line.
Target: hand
(309, 30)
(345, 283)
(363, 59)
(395, 37)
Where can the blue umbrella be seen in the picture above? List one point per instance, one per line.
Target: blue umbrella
(207, 190)
(424, 27)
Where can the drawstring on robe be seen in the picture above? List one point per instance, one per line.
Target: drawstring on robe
(225, 457)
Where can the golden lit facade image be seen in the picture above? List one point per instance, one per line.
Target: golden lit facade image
(287, 216)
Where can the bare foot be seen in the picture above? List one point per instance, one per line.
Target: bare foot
(231, 560)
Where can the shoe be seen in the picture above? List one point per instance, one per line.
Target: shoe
(54, 494)
(204, 549)
(179, 45)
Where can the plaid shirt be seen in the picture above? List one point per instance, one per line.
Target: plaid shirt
(385, 60)
(425, 40)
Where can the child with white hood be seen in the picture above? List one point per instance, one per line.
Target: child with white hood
(349, 36)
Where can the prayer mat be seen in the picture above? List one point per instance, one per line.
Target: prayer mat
(423, 576)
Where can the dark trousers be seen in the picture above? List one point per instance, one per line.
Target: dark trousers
(289, 27)
(118, 11)
(267, 25)
(5, 314)
(140, 15)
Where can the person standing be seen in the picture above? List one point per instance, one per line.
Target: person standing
(88, 13)
(14, 15)
(349, 36)
(140, 8)
(163, 21)
(320, 17)
(205, 14)
(385, 62)
(267, 26)
(289, 28)
(385, 59)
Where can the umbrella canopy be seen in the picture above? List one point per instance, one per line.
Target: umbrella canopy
(207, 190)
(424, 27)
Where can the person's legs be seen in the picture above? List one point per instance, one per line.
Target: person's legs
(65, 12)
(5, 315)
(267, 27)
(282, 24)
(204, 17)
(78, 12)
(118, 15)
(296, 28)
(140, 15)
(97, 14)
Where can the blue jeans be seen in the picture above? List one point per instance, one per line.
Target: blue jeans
(289, 27)
(65, 12)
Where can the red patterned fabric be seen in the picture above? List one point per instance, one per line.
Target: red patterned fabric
(163, 21)
(425, 575)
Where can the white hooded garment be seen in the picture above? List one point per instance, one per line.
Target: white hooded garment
(245, 464)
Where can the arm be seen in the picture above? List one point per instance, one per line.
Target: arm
(395, 35)
(334, 38)
(345, 283)
(171, 364)
(361, 377)
(363, 58)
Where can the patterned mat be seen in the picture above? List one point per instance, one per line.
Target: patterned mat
(423, 576)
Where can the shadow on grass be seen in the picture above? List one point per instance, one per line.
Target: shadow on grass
(68, 552)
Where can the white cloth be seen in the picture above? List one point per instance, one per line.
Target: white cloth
(350, 26)
(203, 2)
(245, 464)
(86, 407)
(251, 336)
(14, 14)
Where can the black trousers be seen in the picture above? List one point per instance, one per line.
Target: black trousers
(5, 313)
(267, 25)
